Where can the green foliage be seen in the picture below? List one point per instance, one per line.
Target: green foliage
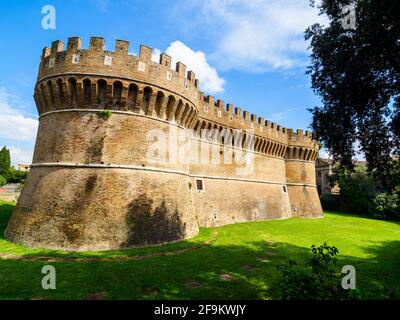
(5, 161)
(357, 190)
(3, 181)
(386, 205)
(105, 114)
(330, 202)
(317, 280)
(16, 176)
(355, 72)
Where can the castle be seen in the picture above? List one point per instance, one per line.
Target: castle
(130, 152)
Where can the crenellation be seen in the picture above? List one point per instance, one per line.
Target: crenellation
(191, 76)
(220, 104)
(97, 44)
(56, 47)
(181, 69)
(74, 44)
(229, 108)
(165, 60)
(238, 112)
(46, 52)
(210, 100)
(145, 53)
(121, 47)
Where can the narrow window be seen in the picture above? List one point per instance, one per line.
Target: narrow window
(200, 185)
(159, 101)
(51, 93)
(60, 90)
(132, 95)
(117, 94)
(284, 189)
(146, 99)
(73, 92)
(87, 91)
(101, 92)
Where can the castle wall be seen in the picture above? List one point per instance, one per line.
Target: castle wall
(130, 152)
(239, 185)
(303, 194)
(92, 187)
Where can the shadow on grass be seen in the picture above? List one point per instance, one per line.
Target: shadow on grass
(214, 272)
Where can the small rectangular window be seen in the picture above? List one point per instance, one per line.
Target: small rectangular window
(284, 189)
(199, 185)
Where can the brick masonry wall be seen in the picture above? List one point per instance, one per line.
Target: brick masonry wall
(98, 182)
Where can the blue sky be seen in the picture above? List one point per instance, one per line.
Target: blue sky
(250, 53)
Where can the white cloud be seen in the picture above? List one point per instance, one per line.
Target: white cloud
(258, 35)
(14, 125)
(19, 156)
(196, 61)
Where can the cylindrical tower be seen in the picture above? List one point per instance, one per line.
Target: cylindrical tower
(301, 154)
(94, 183)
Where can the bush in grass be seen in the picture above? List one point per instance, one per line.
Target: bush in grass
(317, 280)
(386, 205)
(330, 202)
(105, 114)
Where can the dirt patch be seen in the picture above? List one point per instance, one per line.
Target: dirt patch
(193, 285)
(225, 277)
(250, 268)
(97, 296)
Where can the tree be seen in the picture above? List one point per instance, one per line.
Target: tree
(3, 181)
(356, 72)
(5, 162)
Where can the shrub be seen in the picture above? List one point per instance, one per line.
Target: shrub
(3, 181)
(386, 205)
(16, 176)
(330, 202)
(317, 280)
(105, 114)
(357, 190)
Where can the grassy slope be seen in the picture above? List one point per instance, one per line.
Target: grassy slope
(372, 246)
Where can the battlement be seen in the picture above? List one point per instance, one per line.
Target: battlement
(234, 117)
(97, 61)
(96, 78)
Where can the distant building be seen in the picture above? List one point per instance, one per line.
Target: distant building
(323, 170)
(23, 167)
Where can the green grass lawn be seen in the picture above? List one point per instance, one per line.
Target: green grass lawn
(245, 254)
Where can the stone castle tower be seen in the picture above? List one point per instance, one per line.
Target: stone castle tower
(130, 152)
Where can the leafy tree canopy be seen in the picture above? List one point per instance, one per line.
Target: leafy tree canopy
(5, 161)
(356, 72)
